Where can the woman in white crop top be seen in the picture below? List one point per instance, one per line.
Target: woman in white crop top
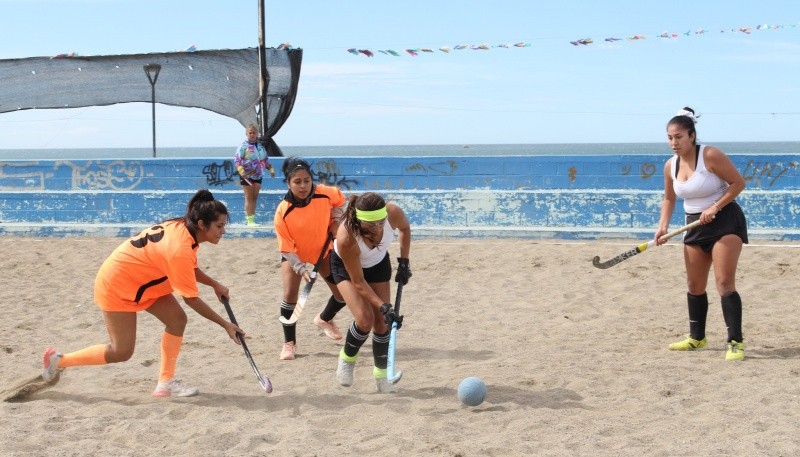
(708, 182)
(361, 269)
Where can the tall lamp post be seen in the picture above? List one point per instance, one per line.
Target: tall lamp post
(152, 70)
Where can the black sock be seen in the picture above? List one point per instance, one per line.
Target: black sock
(333, 307)
(288, 330)
(355, 338)
(380, 349)
(698, 310)
(732, 311)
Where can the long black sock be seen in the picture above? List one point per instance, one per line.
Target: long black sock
(380, 349)
(288, 330)
(333, 307)
(355, 338)
(698, 310)
(732, 311)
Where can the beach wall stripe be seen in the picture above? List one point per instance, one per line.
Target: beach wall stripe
(570, 197)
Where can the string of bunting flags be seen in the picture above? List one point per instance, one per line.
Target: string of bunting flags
(413, 52)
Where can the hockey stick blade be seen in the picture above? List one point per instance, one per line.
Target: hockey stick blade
(640, 248)
(624, 256)
(301, 300)
(266, 384)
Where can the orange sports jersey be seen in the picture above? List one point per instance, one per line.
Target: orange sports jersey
(158, 261)
(303, 230)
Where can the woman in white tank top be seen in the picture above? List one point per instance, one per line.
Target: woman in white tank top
(361, 269)
(708, 182)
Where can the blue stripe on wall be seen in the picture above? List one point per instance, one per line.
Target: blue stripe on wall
(570, 197)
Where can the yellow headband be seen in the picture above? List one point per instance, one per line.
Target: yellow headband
(371, 216)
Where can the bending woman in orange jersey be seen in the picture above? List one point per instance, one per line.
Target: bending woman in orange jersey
(304, 220)
(141, 275)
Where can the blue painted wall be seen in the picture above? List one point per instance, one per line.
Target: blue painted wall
(566, 197)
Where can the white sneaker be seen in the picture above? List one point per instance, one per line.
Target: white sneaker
(344, 372)
(385, 387)
(175, 387)
(288, 351)
(50, 360)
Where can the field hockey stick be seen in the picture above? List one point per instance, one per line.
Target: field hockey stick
(301, 300)
(640, 248)
(390, 368)
(263, 380)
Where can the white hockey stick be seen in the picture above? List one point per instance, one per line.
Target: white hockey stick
(390, 368)
(301, 300)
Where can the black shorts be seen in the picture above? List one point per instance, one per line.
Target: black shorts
(382, 272)
(245, 183)
(729, 221)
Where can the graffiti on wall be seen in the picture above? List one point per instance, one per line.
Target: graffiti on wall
(25, 180)
(219, 174)
(646, 170)
(764, 174)
(327, 172)
(447, 168)
(116, 175)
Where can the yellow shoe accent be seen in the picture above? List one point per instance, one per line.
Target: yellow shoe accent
(689, 344)
(735, 351)
(378, 372)
(347, 358)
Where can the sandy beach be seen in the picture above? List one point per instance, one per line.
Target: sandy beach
(575, 359)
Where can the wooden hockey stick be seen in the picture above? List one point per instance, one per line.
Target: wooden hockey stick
(640, 248)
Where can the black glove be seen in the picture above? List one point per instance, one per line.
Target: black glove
(403, 271)
(389, 316)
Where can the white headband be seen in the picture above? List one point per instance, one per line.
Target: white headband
(688, 114)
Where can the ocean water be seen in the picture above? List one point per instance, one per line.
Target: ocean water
(560, 149)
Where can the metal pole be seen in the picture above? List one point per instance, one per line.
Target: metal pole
(153, 102)
(263, 75)
(152, 70)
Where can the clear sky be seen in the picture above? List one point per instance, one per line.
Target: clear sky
(745, 86)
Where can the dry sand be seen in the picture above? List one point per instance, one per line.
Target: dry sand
(575, 359)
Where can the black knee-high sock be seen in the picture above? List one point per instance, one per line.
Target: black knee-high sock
(732, 311)
(380, 349)
(288, 330)
(333, 307)
(355, 338)
(698, 310)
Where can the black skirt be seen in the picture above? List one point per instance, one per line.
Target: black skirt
(730, 220)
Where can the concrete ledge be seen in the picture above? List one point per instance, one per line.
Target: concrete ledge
(24, 229)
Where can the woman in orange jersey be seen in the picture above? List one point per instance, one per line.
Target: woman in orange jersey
(141, 275)
(304, 221)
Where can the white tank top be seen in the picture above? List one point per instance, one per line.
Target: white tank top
(371, 257)
(701, 190)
